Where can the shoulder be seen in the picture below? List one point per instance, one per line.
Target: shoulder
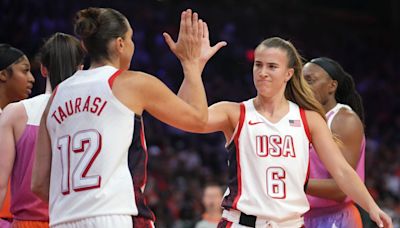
(13, 113)
(136, 80)
(346, 122)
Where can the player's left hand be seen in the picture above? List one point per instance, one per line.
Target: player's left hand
(381, 218)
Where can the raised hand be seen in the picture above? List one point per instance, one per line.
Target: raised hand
(188, 45)
(193, 42)
(206, 50)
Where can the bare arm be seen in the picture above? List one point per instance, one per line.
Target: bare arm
(341, 171)
(7, 148)
(42, 164)
(140, 91)
(349, 129)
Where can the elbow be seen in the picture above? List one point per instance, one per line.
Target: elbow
(201, 122)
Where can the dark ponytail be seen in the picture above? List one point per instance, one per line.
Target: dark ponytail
(97, 27)
(61, 55)
(346, 92)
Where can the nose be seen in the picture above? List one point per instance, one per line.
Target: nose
(31, 78)
(263, 72)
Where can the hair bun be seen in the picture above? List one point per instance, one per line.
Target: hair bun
(87, 22)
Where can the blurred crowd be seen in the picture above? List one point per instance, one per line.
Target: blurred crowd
(360, 35)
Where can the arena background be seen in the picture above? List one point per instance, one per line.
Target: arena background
(363, 35)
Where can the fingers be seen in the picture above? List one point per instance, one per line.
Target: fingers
(205, 30)
(169, 41)
(182, 24)
(195, 26)
(201, 28)
(188, 21)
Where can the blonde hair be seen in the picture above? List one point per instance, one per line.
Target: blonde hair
(297, 90)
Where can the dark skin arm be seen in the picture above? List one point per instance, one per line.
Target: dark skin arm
(349, 129)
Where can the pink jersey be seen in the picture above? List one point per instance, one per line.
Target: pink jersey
(318, 170)
(24, 204)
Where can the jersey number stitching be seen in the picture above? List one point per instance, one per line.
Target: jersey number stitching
(86, 144)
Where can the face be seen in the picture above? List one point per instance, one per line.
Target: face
(212, 198)
(129, 48)
(19, 84)
(320, 82)
(270, 71)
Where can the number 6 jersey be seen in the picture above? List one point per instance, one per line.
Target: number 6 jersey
(99, 155)
(268, 165)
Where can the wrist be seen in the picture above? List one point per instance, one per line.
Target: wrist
(192, 68)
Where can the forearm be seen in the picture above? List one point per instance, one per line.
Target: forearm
(325, 188)
(348, 180)
(192, 90)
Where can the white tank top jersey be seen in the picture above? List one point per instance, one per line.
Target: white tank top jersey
(34, 108)
(99, 151)
(332, 113)
(269, 165)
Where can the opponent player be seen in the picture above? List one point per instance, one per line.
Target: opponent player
(335, 90)
(16, 82)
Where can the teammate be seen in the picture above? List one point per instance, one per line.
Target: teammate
(268, 141)
(91, 146)
(16, 82)
(19, 126)
(335, 90)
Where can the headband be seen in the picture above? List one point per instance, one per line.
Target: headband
(8, 55)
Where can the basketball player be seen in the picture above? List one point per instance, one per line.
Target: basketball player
(91, 146)
(16, 82)
(268, 141)
(335, 90)
(18, 132)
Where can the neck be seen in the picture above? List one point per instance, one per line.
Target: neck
(48, 86)
(269, 105)
(4, 100)
(104, 63)
(330, 104)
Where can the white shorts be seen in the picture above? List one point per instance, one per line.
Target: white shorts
(105, 221)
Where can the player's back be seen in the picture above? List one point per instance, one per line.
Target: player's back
(91, 136)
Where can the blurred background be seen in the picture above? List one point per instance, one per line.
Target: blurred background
(362, 35)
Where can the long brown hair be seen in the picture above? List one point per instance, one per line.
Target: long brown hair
(297, 90)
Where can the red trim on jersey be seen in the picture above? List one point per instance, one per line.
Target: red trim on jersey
(112, 78)
(143, 142)
(236, 140)
(55, 91)
(304, 119)
(308, 173)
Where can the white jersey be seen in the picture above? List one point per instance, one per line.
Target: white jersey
(330, 115)
(268, 165)
(34, 108)
(99, 154)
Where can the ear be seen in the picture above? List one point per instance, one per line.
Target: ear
(3, 76)
(119, 44)
(80, 67)
(289, 74)
(43, 71)
(332, 86)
